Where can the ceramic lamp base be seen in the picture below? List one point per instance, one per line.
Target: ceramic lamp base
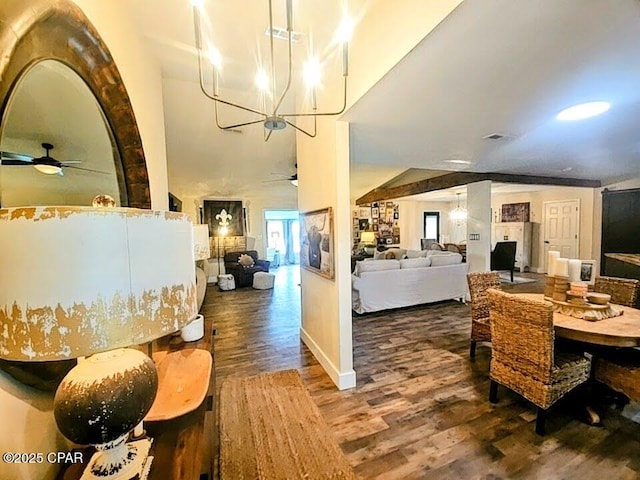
(194, 330)
(120, 460)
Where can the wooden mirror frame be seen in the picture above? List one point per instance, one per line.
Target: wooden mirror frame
(58, 30)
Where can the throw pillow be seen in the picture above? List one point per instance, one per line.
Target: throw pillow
(246, 260)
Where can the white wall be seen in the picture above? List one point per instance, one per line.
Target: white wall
(323, 173)
(411, 221)
(588, 212)
(142, 79)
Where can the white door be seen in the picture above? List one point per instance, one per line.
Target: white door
(561, 228)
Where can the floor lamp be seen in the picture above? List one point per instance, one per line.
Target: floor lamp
(222, 231)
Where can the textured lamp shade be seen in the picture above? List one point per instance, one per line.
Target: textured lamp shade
(368, 237)
(202, 247)
(82, 280)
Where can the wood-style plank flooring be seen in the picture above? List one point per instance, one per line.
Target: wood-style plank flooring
(420, 408)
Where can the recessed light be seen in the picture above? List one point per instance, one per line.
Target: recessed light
(459, 162)
(582, 111)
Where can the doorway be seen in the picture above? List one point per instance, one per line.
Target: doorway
(561, 227)
(283, 237)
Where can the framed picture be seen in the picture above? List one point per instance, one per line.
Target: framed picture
(217, 213)
(364, 212)
(515, 212)
(363, 223)
(375, 212)
(316, 242)
(374, 221)
(375, 227)
(389, 204)
(588, 271)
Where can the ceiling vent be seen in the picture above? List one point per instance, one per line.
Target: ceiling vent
(494, 136)
(282, 34)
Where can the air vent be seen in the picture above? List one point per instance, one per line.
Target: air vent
(282, 34)
(494, 136)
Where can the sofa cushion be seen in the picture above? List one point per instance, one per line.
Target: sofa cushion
(376, 266)
(413, 254)
(415, 262)
(442, 260)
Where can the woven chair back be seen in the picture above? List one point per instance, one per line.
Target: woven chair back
(623, 291)
(522, 334)
(479, 283)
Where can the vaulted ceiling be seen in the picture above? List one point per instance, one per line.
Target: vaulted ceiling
(498, 66)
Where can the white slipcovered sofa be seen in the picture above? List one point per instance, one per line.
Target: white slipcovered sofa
(428, 277)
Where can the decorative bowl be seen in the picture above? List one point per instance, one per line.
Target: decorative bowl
(598, 298)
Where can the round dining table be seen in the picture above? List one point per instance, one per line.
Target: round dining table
(620, 331)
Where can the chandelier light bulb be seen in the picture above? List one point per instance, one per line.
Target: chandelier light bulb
(214, 57)
(262, 81)
(312, 72)
(345, 30)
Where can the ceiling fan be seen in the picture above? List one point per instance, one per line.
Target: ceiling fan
(293, 179)
(45, 164)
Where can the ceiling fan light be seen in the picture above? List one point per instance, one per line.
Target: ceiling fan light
(48, 169)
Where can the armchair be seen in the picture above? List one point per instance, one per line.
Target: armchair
(244, 275)
(503, 257)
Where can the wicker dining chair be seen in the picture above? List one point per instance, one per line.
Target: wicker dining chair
(619, 370)
(523, 357)
(479, 283)
(623, 291)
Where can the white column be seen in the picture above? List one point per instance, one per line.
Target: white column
(479, 226)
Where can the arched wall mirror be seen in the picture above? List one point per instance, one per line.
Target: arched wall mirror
(54, 69)
(53, 41)
(51, 104)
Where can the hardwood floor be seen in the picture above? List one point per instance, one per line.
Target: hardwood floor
(420, 408)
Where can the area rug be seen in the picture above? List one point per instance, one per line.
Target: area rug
(506, 277)
(271, 429)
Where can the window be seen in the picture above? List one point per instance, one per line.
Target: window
(431, 225)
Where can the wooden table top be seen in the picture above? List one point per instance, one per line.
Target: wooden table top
(622, 331)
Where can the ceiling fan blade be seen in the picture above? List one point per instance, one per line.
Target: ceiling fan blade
(85, 169)
(70, 162)
(278, 180)
(6, 157)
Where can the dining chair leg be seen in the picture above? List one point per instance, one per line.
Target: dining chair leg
(540, 421)
(493, 392)
(472, 350)
(512, 275)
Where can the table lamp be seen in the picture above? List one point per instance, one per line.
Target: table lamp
(83, 281)
(368, 242)
(202, 251)
(202, 247)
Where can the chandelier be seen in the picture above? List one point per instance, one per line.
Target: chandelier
(270, 115)
(458, 214)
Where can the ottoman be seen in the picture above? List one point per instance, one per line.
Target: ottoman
(263, 280)
(226, 282)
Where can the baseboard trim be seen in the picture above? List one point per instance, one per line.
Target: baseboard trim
(342, 380)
